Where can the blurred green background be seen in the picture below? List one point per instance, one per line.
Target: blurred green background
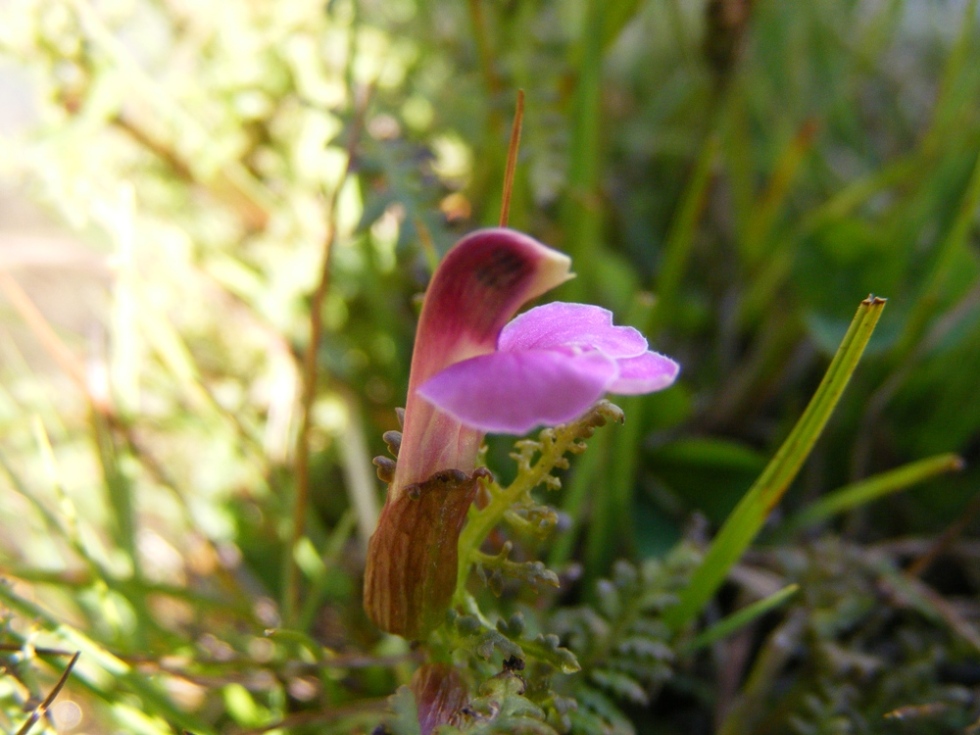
(182, 184)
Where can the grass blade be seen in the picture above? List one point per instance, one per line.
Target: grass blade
(746, 520)
(680, 239)
(862, 492)
(724, 628)
(155, 701)
(582, 215)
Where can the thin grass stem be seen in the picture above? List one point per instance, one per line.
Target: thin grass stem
(512, 150)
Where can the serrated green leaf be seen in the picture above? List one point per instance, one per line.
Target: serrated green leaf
(621, 684)
(645, 647)
(550, 449)
(492, 639)
(493, 569)
(547, 648)
(608, 597)
(596, 706)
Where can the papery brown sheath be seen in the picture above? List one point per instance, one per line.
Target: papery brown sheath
(412, 556)
(440, 693)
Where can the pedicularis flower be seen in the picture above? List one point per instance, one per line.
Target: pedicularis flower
(472, 372)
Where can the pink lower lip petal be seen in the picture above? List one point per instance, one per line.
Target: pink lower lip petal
(512, 392)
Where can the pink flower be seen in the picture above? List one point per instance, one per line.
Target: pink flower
(472, 372)
(551, 365)
(410, 575)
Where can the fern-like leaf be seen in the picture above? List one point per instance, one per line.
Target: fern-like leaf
(626, 649)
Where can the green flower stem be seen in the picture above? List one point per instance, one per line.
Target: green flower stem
(742, 526)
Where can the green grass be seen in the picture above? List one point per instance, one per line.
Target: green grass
(745, 521)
